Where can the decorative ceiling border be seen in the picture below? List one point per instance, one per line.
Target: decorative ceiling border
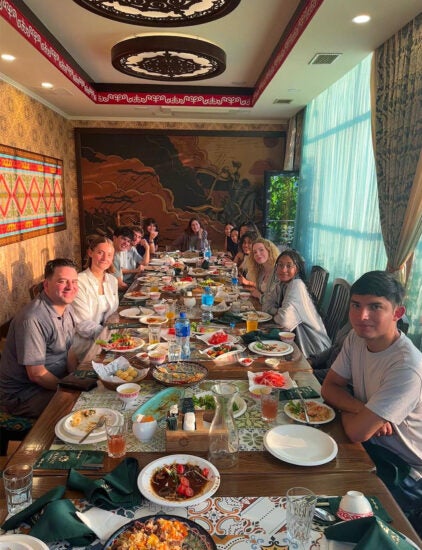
(28, 30)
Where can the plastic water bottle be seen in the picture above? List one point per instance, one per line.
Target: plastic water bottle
(235, 276)
(182, 327)
(207, 251)
(207, 303)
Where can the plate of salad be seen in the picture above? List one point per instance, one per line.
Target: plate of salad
(121, 343)
(271, 348)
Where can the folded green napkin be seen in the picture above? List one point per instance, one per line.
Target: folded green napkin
(63, 460)
(369, 534)
(228, 318)
(118, 488)
(85, 373)
(377, 507)
(307, 392)
(28, 515)
(254, 334)
(60, 522)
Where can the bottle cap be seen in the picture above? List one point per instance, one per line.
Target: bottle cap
(183, 314)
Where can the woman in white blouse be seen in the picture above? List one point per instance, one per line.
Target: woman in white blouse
(97, 297)
(260, 267)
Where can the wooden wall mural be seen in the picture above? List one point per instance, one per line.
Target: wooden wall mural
(173, 176)
(31, 195)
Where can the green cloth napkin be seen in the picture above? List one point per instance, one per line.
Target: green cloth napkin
(377, 507)
(228, 318)
(60, 522)
(369, 534)
(64, 460)
(26, 515)
(254, 334)
(307, 392)
(118, 488)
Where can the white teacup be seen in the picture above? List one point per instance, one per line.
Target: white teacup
(144, 430)
(354, 505)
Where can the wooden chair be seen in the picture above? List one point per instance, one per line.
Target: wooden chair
(128, 217)
(318, 283)
(338, 308)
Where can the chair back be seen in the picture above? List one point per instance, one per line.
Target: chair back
(318, 283)
(128, 217)
(34, 290)
(338, 308)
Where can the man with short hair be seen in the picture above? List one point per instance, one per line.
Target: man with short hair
(37, 352)
(385, 370)
(127, 261)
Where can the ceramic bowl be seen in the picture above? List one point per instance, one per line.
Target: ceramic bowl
(128, 392)
(157, 356)
(160, 309)
(245, 361)
(155, 296)
(272, 362)
(354, 505)
(244, 296)
(287, 336)
(144, 430)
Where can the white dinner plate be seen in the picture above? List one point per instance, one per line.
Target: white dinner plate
(262, 316)
(220, 308)
(137, 295)
(240, 403)
(235, 348)
(135, 312)
(71, 437)
(144, 480)
(157, 261)
(300, 445)
(206, 337)
(191, 260)
(137, 343)
(20, 542)
(296, 417)
(154, 319)
(280, 348)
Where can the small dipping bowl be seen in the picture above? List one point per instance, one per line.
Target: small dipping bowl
(144, 429)
(155, 296)
(157, 356)
(287, 336)
(272, 363)
(160, 309)
(128, 392)
(245, 361)
(354, 505)
(166, 279)
(244, 296)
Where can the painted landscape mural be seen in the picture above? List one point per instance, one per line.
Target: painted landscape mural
(173, 177)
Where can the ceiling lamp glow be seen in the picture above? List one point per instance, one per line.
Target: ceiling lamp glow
(164, 13)
(170, 58)
(360, 19)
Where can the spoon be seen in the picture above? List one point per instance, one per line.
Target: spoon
(324, 515)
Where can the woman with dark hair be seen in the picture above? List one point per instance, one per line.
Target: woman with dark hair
(244, 249)
(194, 237)
(150, 228)
(290, 302)
(233, 242)
(97, 297)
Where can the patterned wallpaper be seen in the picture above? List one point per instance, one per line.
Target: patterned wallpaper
(30, 125)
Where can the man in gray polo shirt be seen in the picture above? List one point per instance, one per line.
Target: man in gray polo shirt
(36, 354)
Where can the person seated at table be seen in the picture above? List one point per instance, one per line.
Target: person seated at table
(385, 370)
(233, 243)
(248, 227)
(124, 256)
(141, 246)
(245, 247)
(227, 229)
(291, 304)
(194, 237)
(260, 267)
(150, 228)
(97, 297)
(38, 346)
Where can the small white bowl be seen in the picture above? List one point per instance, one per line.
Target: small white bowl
(157, 356)
(245, 361)
(244, 296)
(144, 430)
(354, 505)
(128, 392)
(160, 309)
(287, 336)
(155, 296)
(272, 363)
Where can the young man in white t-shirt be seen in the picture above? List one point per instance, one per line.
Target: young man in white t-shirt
(385, 370)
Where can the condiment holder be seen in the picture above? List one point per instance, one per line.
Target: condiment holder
(354, 505)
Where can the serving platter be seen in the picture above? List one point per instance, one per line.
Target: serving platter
(240, 403)
(181, 373)
(137, 343)
(222, 351)
(207, 336)
(135, 312)
(313, 407)
(152, 320)
(137, 295)
(146, 474)
(278, 348)
(159, 404)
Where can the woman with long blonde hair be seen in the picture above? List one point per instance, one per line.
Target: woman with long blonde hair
(260, 266)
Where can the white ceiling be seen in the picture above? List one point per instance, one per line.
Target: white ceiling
(248, 35)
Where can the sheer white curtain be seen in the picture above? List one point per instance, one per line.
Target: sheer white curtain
(338, 223)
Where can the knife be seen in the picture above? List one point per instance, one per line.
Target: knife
(99, 424)
(303, 403)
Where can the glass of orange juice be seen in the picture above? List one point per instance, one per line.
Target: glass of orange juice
(171, 312)
(116, 437)
(252, 321)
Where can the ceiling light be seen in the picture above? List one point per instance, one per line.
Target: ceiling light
(47, 85)
(7, 57)
(177, 13)
(359, 19)
(173, 58)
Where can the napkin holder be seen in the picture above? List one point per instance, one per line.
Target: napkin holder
(181, 441)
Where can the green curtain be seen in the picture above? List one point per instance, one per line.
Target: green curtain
(397, 130)
(338, 224)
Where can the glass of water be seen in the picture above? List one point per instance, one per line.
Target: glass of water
(300, 507)
(18, 487)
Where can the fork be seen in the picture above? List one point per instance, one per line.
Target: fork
(99, 424)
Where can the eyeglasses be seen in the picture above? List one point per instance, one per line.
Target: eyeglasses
(285, 266)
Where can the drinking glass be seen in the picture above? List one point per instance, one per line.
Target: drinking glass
(18, 487)
(300, 507)
(154, 334)
(116, 437)
(175, 351)
(171, 312)
(252, 321)
(269, 403)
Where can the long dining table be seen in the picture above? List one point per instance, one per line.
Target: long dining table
(257, 473)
